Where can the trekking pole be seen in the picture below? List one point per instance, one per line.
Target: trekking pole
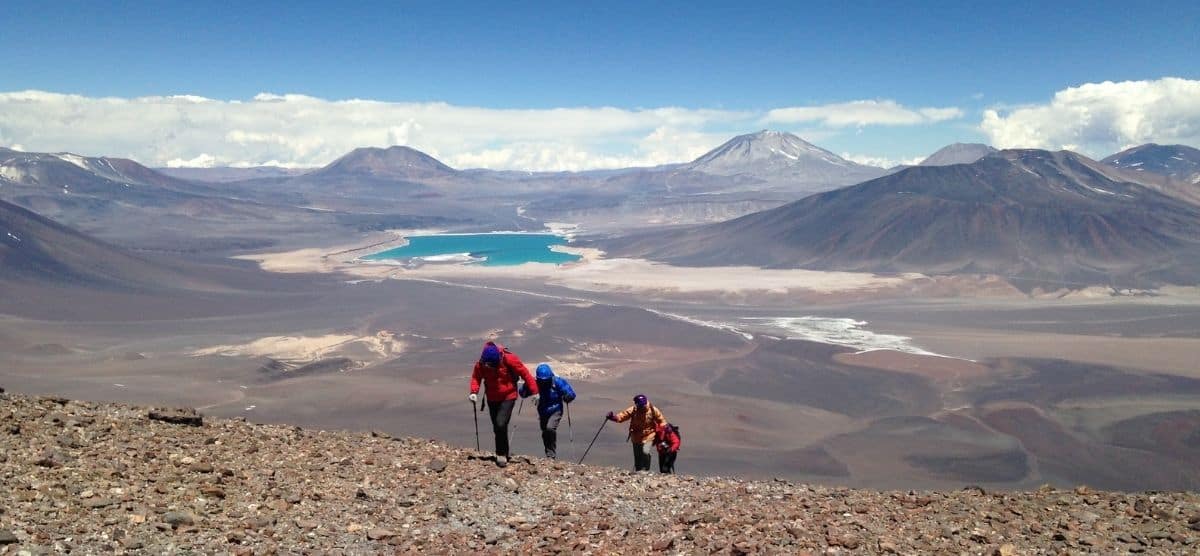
(476, 416)
(569, 429)
(589, 448)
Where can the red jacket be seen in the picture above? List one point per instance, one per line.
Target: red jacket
(501, 381)
(664, 434)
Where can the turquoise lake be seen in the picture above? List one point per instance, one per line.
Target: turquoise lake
(483, 249)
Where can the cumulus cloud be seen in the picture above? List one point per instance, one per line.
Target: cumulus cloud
(861, 113)
(298, 130)
(203, 160)
(1099, 119)
(881, 161)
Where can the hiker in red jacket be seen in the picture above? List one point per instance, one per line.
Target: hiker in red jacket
(666, 439)
(499, 369)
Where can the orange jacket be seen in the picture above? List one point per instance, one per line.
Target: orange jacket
(642, 422)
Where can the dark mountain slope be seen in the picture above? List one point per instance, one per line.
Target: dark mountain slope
(1030, 214)
(35, 249)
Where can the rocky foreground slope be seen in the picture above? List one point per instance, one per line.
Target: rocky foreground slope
(88, 478)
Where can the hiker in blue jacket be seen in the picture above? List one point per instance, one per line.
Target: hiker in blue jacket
(555, 391)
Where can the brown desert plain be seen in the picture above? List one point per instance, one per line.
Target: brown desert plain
(899, 381)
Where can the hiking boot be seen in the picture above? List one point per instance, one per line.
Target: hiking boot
(501, 461)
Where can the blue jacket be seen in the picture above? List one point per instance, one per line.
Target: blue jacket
(554, 391)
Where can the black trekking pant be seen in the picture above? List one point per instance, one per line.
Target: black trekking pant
(501, 412)
(641, 456)
(549, 424)
(666, 462)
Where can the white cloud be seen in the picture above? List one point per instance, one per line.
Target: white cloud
(1099, 119)
(861, 113)
(881, 161)
(297, 130)
(203, 160)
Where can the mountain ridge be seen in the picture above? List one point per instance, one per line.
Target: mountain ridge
(1025, 214)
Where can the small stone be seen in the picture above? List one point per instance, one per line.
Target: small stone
(257, 523)
(178, 519)
(213, 492)
(379, 534)
(1005, 550)
(137, 518)
(7, 537)
(381, 434)
(97, 503)
(846, 540)
(888, 547)
(437, 465)
(183, 416)
(201, 467)
(662, 545)
(511, 484)
(51, 458)
(306, 524)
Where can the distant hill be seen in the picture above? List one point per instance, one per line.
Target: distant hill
(958, 153)
(775, 156)
(120, 200)
(393, 162)
(227, 174)
(1028, 214)
(1179, 162)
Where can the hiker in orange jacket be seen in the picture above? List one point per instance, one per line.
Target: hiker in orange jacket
(643, 419)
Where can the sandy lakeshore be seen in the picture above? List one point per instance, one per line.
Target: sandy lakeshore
(593, 272)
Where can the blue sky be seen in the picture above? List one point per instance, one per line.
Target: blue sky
(629, 55)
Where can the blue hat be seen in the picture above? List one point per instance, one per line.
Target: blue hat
(640, 400)
(491, 355)
(544, 372)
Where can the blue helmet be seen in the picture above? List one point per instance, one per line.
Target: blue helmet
(544, 372)
(640, 400)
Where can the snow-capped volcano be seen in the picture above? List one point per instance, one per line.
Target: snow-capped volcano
(777, 156)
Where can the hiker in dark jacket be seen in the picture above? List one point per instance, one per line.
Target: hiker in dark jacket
(666, 439)
(498, 370)
(643, 419)
(556, 391)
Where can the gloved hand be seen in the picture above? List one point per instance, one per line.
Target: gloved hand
(611, 416)
(473, 397)
(536, 397)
